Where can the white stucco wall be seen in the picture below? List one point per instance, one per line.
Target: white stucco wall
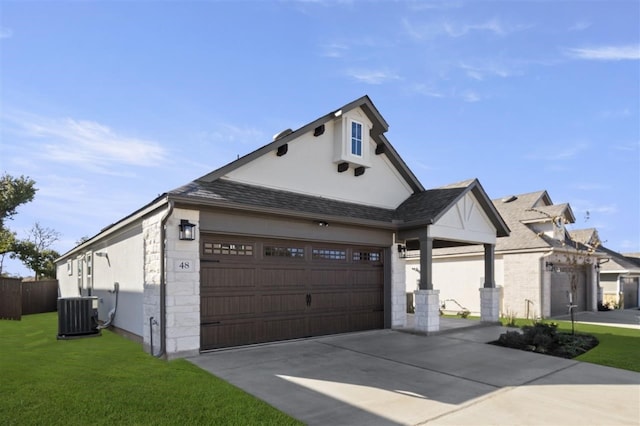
(458, 280)
(119, 261)
(309, 167)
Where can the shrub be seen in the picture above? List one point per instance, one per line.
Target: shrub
(546, 339)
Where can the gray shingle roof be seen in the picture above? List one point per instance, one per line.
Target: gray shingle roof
(618, 261)
(233, 194)
(427, 205)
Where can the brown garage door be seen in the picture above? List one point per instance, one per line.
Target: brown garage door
(255, 290)
(561, 286)
(630, 289)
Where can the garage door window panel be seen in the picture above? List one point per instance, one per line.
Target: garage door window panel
(329, 254)
(284, 252)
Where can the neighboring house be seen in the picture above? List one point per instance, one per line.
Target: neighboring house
(303, 237)
(535, 265)
(619, 279)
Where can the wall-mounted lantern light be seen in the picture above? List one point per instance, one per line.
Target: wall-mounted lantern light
(187, 230)
(402, 251)
(549, 266)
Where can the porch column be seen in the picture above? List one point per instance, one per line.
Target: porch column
(426, 299)
(489, 266)
(489, 294)
(426, 255)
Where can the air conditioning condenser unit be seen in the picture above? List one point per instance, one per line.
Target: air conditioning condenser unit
(77, 317)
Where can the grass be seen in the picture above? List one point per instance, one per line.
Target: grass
(110, 380)
(619, 347)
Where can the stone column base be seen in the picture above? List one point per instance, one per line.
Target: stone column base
(490, 304)
(427, 313)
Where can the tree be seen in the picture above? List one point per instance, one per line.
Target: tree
(35, 251)
(7, 241)
(13, 193)
(39, 261)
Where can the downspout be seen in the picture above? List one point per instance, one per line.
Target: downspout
(163, 281)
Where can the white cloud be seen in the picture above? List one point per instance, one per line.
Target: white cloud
(372, 76)
(481, 72)
(605, 53)
(580, 26)
(456, 29)
(86, 144)
(230, 134)
(434, 5)
(584, 186)
(632, 146)
(427, 90)
(558, 153)
(470, 96)
(5, 33)
(334, 50)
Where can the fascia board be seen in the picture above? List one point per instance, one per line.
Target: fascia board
(113, 228)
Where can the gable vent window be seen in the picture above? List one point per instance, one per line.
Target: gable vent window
(356, 139)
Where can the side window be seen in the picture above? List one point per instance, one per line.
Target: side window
(89, 260)
(79, 262)
(356, 138)
(70, 267)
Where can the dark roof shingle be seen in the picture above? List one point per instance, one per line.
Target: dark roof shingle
(238, 194)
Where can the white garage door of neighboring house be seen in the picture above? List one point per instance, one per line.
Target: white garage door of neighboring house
(259, 290)
(561, 287)
(630, 289)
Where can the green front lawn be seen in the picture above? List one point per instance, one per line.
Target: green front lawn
(109, 380)
(619, 347)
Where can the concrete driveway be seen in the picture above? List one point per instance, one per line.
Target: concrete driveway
(388, 377)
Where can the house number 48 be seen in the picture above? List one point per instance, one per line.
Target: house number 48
(184, 265)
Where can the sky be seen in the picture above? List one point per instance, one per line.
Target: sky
(106, 105)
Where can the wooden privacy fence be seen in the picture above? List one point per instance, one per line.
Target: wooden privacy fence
(19, 297)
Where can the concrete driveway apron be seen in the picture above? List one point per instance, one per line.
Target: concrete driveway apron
(388, 377)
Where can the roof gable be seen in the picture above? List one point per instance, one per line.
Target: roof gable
(378, 127)
(463, 204)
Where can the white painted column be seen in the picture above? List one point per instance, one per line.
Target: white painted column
(427, 315)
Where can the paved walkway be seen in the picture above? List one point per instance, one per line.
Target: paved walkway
(386, 377)
(626, 318)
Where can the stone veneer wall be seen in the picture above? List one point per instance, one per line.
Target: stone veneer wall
(183, 287)
(151, 289)
(182, 292)
(522, 282)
